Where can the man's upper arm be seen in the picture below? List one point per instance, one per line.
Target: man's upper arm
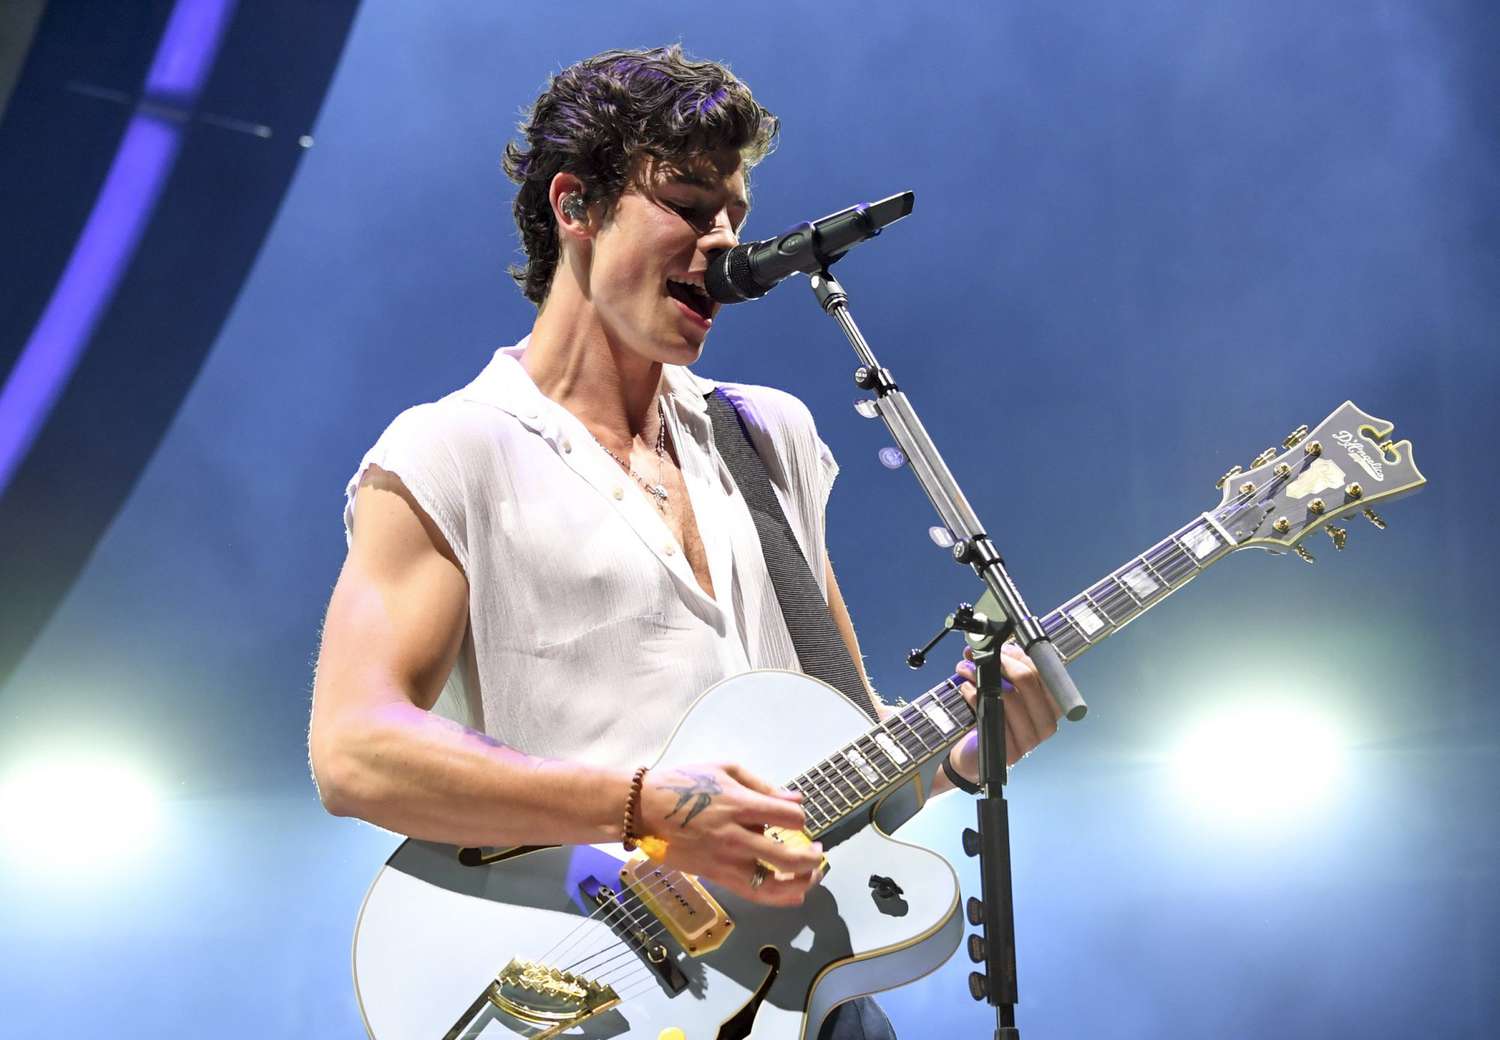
(398, 613)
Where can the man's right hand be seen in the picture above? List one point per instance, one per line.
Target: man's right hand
(714, 817)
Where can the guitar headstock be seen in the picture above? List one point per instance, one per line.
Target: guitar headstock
(1344, 466)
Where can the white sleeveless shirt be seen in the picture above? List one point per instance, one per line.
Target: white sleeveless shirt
(588, 634)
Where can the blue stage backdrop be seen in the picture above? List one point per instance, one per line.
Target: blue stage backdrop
(1149, 240)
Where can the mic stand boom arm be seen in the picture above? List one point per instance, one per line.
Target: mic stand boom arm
(997, 948)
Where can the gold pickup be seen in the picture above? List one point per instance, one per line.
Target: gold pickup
(680, 902)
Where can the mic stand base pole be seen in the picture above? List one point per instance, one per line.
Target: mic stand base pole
(994, 847)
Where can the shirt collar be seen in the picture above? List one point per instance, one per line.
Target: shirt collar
(504, 384)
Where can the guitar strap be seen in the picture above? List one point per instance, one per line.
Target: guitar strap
(820, 649)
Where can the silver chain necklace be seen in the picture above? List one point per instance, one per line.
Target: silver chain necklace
(657, 491)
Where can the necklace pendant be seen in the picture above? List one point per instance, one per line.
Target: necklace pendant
(659, 491)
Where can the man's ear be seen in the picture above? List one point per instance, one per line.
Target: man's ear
(570, 208)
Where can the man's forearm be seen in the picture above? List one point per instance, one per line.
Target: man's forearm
(421, 775)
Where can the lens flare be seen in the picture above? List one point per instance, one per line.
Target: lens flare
(1257, 760)
(68, 809)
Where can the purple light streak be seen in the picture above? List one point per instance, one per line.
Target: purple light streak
(188, 46)
(140, 168)
(85, 288)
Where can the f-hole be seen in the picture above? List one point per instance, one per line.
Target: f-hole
(737, 1027)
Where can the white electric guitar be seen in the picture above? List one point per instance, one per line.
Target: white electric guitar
(588, 941)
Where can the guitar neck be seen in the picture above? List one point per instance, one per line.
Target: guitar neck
(888, 755)
(1126, 593)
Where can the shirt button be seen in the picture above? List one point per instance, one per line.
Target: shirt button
(567, 447)
(669, 549)
(619, 494)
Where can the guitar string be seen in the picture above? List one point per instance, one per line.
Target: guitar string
(1169, 560)
(814, 789)
(663, 880)
(634, 915)
(1171, 552)
(666, 878)
(936, 695)
(652, 931)
(1167, 555)
(652, 928)
(582, 931)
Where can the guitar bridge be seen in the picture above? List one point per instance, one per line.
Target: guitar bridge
(539, 995)
(549, 1000)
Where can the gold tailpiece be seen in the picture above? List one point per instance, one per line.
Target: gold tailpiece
(541, 995)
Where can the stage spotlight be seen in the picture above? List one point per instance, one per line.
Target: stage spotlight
(71, 809)
(1260, 759)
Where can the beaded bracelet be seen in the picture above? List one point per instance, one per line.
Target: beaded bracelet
(629, 830)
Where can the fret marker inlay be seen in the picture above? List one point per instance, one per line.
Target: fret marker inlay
(891, 748)
(1085, 619)
(872, 777)
(1202, 541)
(1141, 582)
(940, 718)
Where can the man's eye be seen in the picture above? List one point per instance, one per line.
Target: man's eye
(692, 214)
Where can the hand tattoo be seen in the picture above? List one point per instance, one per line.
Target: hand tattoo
(700, 792)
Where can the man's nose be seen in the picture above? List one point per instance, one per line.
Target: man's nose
(721, 236)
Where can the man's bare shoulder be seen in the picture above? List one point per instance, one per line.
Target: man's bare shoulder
(392, 520)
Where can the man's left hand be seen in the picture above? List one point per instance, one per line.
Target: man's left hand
(1030, 714)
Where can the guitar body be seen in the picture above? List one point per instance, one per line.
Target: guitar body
(433, 933)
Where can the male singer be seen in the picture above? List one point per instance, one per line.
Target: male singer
(549, 565)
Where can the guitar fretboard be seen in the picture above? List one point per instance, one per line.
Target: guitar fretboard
(887, 755)
(1100, 611)
(883, 757)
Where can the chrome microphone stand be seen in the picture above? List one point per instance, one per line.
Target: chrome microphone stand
(973, 548)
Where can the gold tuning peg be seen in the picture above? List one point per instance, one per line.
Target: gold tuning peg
(1375, 519)
(1295, 437)
(1307, 557)
(1225, 478)
(1263, 458)
(1339, 536)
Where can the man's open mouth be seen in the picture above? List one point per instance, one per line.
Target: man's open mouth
(692, 296)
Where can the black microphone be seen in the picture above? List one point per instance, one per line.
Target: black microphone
(751, 270)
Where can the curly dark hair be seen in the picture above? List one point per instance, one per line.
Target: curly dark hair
(597, 118)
